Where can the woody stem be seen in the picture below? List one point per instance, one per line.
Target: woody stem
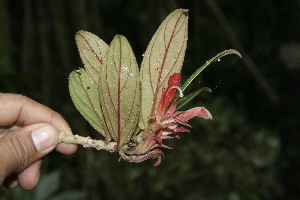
(87, 142)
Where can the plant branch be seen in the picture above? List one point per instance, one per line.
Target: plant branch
(87, 142)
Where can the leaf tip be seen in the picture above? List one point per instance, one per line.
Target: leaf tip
(185, 11)
(79, 33)
(118, 35)
(236, 53)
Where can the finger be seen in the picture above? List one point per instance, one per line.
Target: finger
(19, 110)
(29, 177)
(21, 148)
(11, 182)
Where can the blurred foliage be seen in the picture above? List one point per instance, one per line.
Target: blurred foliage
(234, 156)
(47, 190)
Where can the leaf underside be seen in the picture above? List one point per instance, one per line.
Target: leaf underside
(92, 50)
(85, 95)
(119, 87)
(83, 83)
(164, 56)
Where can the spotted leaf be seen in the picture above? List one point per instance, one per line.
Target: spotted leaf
(85, 95)
(163, 57)
(92, 51)
(119, 87)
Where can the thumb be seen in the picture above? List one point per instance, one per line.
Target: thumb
(21, 148)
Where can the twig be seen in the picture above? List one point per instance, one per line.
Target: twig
(87, 142)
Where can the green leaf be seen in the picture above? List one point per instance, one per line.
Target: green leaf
(119, 87)
(48, 185)
(21, 194)
(92, 51)
(163, 57)
(184, 100)
(85, 95)
(213, 59)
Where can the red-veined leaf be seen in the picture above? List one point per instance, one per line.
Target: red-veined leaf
(92, 51)
(85, 95)
(119, 87)
(163, 57)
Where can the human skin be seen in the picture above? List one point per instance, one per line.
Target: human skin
(33, 133)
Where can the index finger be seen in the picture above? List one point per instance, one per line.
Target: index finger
(19, 110)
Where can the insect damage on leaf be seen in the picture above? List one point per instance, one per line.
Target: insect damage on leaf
(135, 110)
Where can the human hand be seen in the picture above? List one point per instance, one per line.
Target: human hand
(22, 150)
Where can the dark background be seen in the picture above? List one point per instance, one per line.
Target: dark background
(250, 151)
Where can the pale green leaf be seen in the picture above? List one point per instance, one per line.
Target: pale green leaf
(85, 95)
(92, 51)
(119, 87)
(163, 57)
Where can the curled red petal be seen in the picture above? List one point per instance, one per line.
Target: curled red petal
(155, 153)
(146, 145)
(166, 137)
(180, 129)
(195, 112)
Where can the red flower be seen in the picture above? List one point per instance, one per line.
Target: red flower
(166, 124)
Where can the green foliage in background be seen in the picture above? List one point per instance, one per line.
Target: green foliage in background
(47, 189)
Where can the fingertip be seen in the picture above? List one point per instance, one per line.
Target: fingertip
(45, 138)
(66, 148)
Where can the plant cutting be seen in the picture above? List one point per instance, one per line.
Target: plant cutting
(135, 109)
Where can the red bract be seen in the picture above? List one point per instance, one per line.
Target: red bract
(166, 123)
(168, 94)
